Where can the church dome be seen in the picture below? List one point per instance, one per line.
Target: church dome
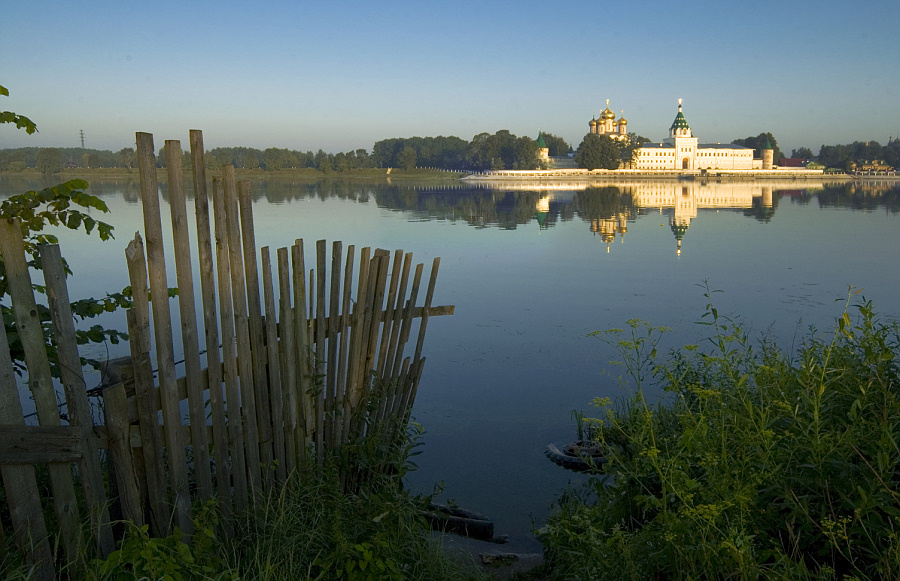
(680, 122)
(623, 121)
(607, 114)
(593, 122)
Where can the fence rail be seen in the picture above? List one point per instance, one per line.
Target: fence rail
(283, 381)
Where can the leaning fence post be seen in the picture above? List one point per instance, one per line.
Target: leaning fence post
(40, 379)
(19, 480)
(76, 396)
(189, 341)
(162, 326)
(208, 291)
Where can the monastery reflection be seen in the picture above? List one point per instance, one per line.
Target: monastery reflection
(608, 209)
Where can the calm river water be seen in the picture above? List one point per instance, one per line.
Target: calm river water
(533, 269)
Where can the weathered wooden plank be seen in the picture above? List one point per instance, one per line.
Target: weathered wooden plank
(319, 338)
(242, 333)
(383, 259)
(357, 333)
(301, 330)
(426, 309)
(289, 361)
(79, 411)
(387, 317)
(40, 380)
(333, 318)
(374, 319)
(346, 306)
(138, 319)
(115, 411)
(20, 482)
(162, 327)
(435, 311)
(412, 377)
(189, 340)
(274, 368)
(407, 322)
(230, 367)
(387, 330)
(210, 324)
(395, 349)
(257, 339)
(40, 444)
(418, 362)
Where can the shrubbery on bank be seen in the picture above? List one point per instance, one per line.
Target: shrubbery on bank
(758, 463)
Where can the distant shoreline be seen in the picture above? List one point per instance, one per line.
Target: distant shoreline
(686, 175)
(380, 174)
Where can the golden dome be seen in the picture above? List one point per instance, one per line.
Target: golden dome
(593, 122)
(607, 113)
(622, 120)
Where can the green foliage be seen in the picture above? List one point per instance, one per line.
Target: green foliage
(802, 153)
(502, 150)
(598, 152)
(633, 142)
(758, 143)
(141, 556)
(58, 206)
(318, 527)
(20, 121)
(842, 156)
(443, 152)
(758, 463)
(407, 158)
(557, 146)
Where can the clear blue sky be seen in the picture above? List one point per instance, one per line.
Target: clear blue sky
(340, 75)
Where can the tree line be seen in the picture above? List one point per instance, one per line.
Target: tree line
(497, 151)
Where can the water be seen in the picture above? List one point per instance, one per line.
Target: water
(532, 270)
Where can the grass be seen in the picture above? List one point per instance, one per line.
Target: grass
(757, 464)
(321, 525)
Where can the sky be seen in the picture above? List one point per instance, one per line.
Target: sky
(340, 75)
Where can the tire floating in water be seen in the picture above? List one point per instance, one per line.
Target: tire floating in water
(578, 456)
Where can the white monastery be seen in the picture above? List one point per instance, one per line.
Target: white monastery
(681, 151)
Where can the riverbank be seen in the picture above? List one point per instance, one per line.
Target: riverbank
(603, 174)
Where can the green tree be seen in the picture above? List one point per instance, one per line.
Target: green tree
(274, 159)
(891, 153)
(49, 160)
(126, 157)
(407, 158)
(557, 146)
(597, 152)
(633, 142)
(758, 143)
(342, 163)
(802, 153)
(526, 154)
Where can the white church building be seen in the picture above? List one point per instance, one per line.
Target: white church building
(681, 151)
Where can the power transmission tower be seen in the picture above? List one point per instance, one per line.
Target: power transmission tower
(81, 132)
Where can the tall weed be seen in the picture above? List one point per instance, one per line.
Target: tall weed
(758, 463)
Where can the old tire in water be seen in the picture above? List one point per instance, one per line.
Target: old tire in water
(578, 456)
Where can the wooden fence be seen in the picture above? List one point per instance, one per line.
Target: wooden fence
(281, 383)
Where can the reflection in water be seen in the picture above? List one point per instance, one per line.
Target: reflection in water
(606, 209)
